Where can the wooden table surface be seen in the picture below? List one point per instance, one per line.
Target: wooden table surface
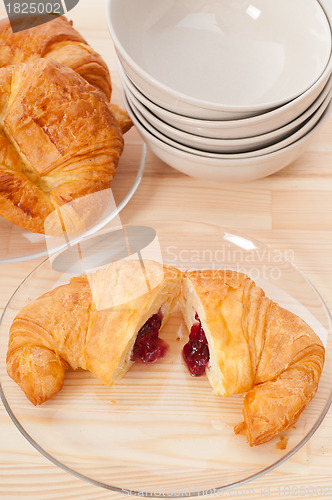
(291, 211)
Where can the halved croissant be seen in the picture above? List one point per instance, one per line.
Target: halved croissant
(91, 323)
(256, 346)
(59, 142)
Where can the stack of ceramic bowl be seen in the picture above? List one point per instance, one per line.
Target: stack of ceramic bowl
(226, 90)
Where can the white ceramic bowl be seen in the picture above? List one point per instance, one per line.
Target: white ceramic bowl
(229, 170)
(304, 129)
(214, 145)
(272, 121)
(224, 59)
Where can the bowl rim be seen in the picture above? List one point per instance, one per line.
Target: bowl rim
(257, 153)
(220, 162)
(213, 141)
(214, 124)
(198, 103)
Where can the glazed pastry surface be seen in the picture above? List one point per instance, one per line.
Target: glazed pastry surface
(57, 40)
(59, 142)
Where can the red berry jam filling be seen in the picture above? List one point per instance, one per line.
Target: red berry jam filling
(148, 347)
(196, 352)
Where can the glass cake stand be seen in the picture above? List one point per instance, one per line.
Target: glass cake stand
(18, 244)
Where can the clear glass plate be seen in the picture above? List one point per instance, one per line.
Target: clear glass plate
(18, 244)
(159, 431)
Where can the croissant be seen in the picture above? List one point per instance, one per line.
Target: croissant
(59, 142)
(247, 342)
(100, 322)
(58, 40)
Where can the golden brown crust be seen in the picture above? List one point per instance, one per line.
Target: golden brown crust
(274, 406)
(90, 323)
(56, 39)
(59, 142)
(121, 117)
(255, 346)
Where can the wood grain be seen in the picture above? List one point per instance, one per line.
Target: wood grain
(291, 210)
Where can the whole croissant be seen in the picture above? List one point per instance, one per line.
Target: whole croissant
(256, 346)
(59, 141)
(58, 40)
(90, 323)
